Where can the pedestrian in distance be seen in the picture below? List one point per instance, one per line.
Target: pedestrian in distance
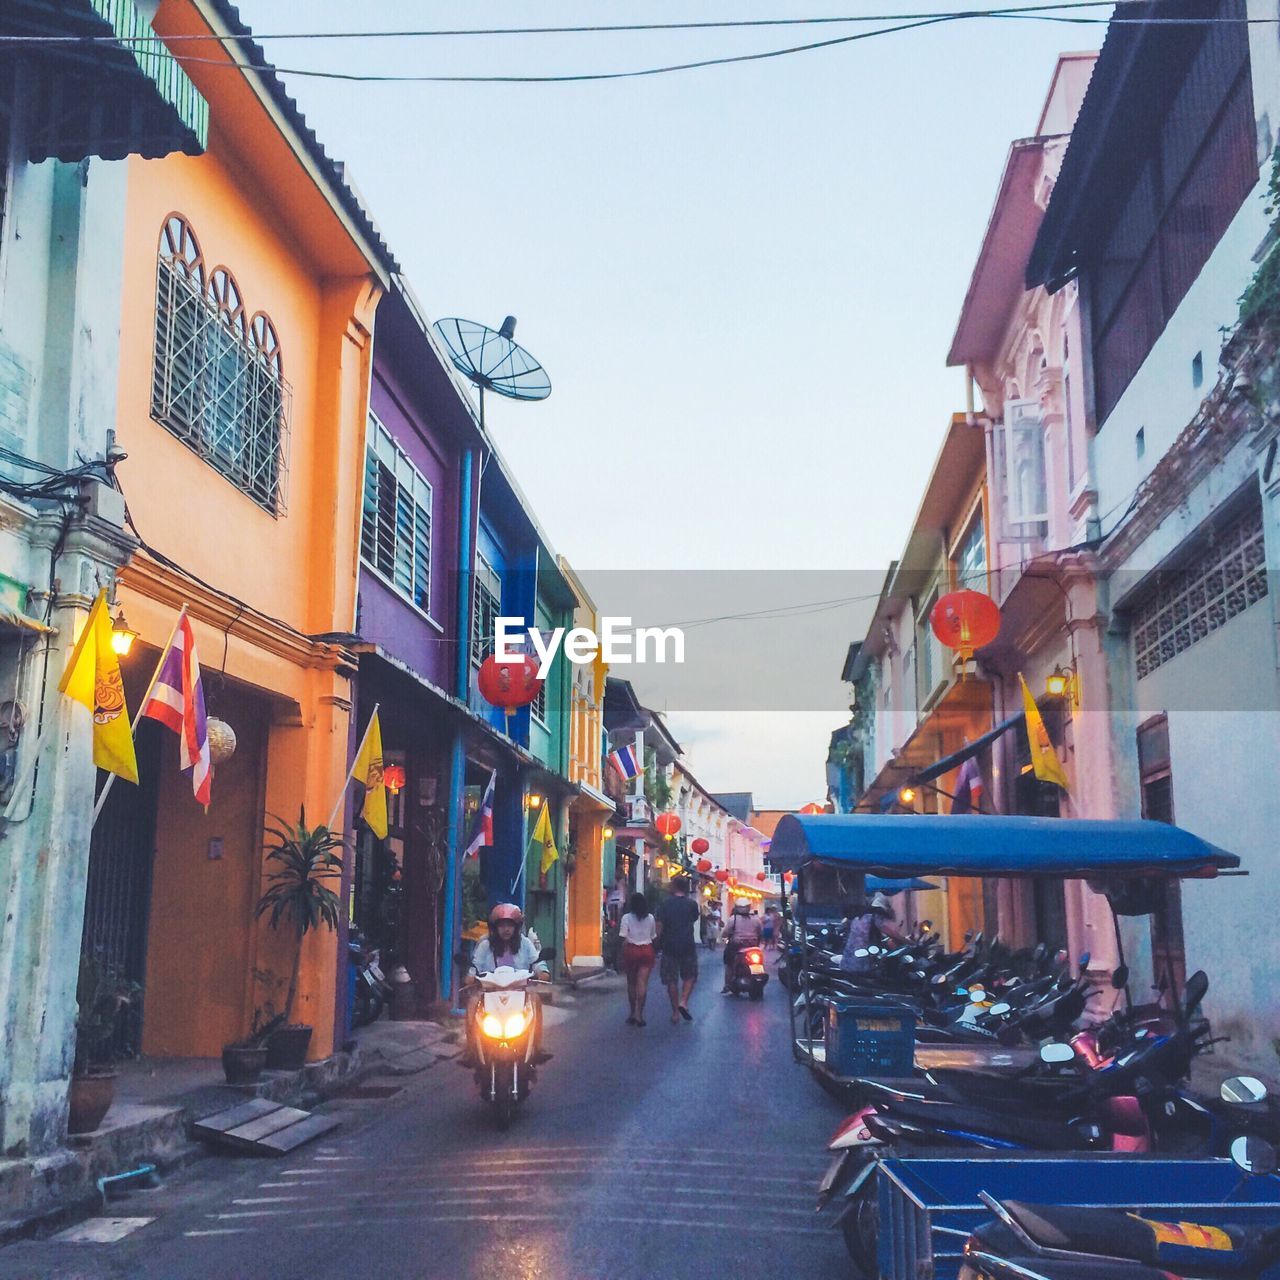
(638, 928)
(769, 925)
(677, 919)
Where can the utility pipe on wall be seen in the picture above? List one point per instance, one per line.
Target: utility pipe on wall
(457, 752)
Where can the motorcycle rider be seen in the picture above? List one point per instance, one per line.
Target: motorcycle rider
(743, 930)
(869, 927)
(506, 946)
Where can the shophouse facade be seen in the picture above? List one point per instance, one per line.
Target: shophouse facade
(64, 173)
(1159, 220)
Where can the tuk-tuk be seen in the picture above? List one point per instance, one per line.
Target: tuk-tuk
(832, 854)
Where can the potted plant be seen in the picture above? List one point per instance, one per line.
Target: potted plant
(101, 994)
(302, 859)
(244, 1060)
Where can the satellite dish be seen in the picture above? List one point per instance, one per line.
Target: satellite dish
(492, 360)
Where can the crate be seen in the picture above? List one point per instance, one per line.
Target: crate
(870, 1040)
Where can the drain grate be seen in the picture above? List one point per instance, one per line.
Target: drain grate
(371, 1091)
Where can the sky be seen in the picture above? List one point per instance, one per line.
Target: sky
(742, 280)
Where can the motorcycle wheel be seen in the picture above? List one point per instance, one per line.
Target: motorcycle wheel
(364, 1010)
(756, 993)
(861, 1229)
(504, 1104)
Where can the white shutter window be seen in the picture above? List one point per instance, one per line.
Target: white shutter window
(1026, 491)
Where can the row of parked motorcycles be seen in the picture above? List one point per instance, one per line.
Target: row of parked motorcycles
(1056, 1075)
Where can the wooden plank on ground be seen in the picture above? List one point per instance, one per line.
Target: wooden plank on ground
(296, 1134)
(221, 1121)
(281, 1118)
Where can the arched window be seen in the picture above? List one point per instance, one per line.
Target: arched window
(217, 382)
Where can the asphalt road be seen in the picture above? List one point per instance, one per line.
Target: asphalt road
(673, 1152)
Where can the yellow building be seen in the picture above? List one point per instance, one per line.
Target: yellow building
(589, 810)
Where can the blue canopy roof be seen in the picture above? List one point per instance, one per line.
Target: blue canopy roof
(984, 844)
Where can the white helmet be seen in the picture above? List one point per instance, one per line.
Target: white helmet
(741, 904)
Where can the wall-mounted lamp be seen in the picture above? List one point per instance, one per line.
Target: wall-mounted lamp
(907, 795)
(607, 833)
(659, 862)
(533, 800)
(122, 635)
(1059, 682)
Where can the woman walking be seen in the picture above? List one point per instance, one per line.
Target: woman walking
(637, 929)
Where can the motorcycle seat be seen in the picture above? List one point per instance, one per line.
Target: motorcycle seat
(1007, 1126)
(996, 1241)
(1112, 1233)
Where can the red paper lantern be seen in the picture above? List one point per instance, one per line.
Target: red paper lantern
(700, 845)
(722, 875)
(668, 824)
(814, 807)
(393, 778)
(510, 684)
(788, 877)
(965, 620)
(762, 875)
(704, 865)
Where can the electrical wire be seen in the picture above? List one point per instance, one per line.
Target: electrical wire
(1034, 13)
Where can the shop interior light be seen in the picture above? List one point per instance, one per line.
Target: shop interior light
(122, 635)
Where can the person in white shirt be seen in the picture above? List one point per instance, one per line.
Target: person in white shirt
(637, 930)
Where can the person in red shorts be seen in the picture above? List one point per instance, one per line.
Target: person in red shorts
(637, 929)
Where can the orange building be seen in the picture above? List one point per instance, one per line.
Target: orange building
(251, 275)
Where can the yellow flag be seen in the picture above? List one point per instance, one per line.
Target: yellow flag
(92, 678)
(543, 836)
(1044, 759)
(368, 770)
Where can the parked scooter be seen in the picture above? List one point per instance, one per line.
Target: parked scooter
(747, 975)
(1048, 1242)
(372, 991)
(506, 1016)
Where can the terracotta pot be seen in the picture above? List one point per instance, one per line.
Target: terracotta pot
(287, 1048)
(243, 1065)
(90, 1098)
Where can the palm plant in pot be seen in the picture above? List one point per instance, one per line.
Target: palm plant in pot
(102, 994)
(298, 897)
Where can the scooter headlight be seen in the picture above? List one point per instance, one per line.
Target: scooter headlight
(491, 1025)
(514, 1025)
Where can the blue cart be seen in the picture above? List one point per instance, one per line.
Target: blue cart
(928, 1206)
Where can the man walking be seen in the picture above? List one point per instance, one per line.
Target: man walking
(677, 918)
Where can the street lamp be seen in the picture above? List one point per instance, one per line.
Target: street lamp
(1058, 683)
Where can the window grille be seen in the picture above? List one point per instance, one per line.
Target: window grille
(485, 609)
(1027, 497)
(971, 561)
(539, 705)
(217, 382)
(1189, 603)
(395, 525)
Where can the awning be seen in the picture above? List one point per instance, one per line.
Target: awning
(957, 758)
(101, 99)
(984, 844)
(878, 884)
(19, 621)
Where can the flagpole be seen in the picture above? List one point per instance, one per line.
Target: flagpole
(346, 782)
(142, 706)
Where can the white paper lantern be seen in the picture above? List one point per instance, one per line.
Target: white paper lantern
(222, 741)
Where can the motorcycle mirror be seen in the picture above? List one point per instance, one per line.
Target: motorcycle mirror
(1085, 957)
(1243, 1089)
(999, 1010)
(1120, 978)
(1041, 951)
(918, 974)
(938, 979)
(968, 935)
(1255, 1156)
(1060, 956)
(1056, 1053)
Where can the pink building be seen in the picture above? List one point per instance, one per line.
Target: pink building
(1023, 350)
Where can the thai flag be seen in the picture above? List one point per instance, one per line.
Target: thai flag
(482, 831)
(969, 788)
(624, 760)
(177, 701)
